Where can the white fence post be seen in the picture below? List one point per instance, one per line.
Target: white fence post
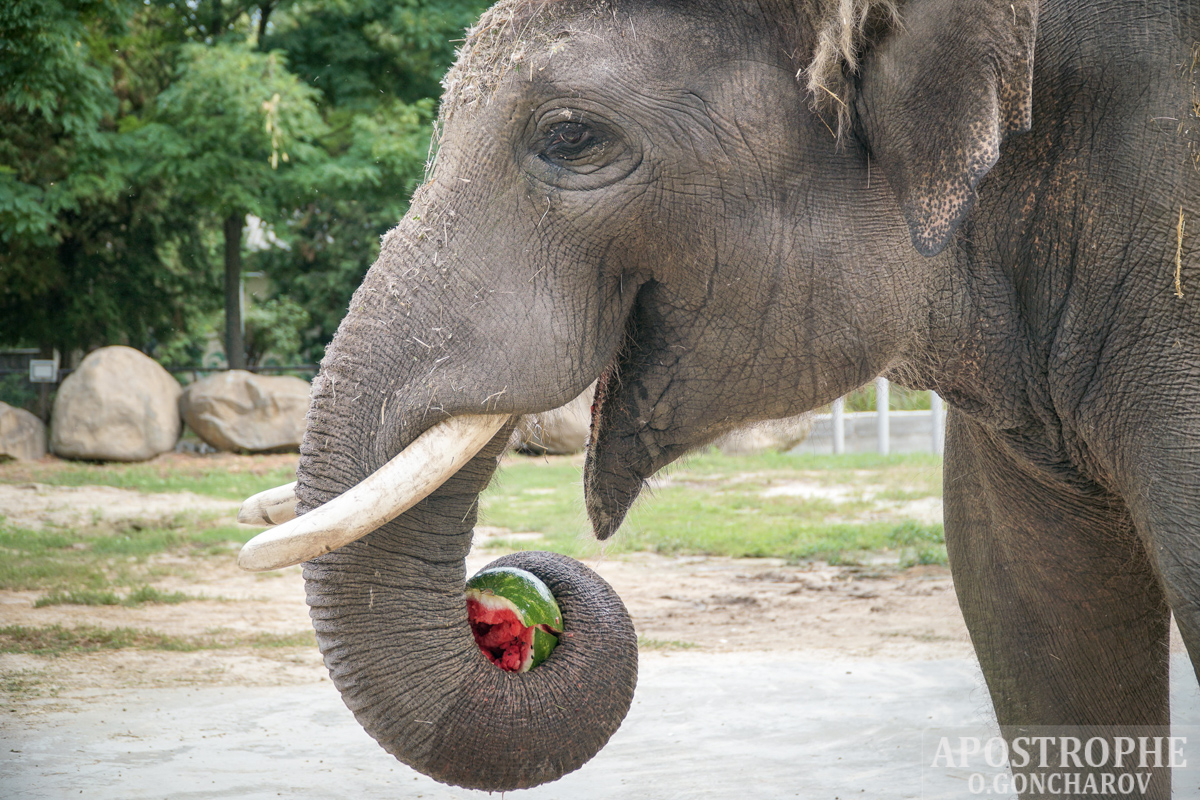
(882, 426)
(839, 426)
(938, 421)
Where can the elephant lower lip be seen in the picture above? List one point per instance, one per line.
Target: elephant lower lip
(608, 379)
(612, 480)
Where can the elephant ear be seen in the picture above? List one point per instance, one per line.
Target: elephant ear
(937, 97)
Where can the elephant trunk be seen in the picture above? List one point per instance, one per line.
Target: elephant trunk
(390, 612)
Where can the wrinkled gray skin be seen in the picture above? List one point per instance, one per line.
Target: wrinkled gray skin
(647, 196)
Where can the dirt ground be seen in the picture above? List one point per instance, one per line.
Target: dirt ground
(697, 604)
(33, 505)
(799, 680)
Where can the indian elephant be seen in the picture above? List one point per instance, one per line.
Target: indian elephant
(725, 211)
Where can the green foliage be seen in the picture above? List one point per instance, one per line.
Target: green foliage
(899, 399)
(16, 390)
(186, 348)
(130, 129)
(378, 64)
(357, 50)
(275, 328)
(48, 68)
(225, 125)
(92, 252)
(375, 163)
(53, 87)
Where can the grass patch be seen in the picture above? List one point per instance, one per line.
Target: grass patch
(272, 640)
(24, 683)
(92, 597)
(647, 643)
(40, 559)
(796, 507)
(57, 640)
(217, 480)
(919, 544)
(96, 560)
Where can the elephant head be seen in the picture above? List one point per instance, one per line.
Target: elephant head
(642, 193)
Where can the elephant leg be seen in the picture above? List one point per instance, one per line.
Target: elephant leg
(1068, 619)
(1160, 480)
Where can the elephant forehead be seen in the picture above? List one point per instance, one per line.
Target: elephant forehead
(506, 38)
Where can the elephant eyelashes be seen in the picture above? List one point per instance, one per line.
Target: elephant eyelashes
(571, 141)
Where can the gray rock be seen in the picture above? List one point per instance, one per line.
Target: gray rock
(22, 435)
(561, 431)
(243, 412)
(779, 435)
(119, 405)
(564, 431)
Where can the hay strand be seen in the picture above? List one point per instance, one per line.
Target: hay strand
(843, 31)
(1179, 256)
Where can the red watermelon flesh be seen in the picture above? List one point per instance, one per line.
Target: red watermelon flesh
(500, 635)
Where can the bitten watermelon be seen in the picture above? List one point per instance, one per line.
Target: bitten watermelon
(514, 617)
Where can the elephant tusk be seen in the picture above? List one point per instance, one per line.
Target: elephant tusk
(270, 507)
(410, 477)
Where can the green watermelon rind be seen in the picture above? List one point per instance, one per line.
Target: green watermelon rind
(543, 644)
(526, 594)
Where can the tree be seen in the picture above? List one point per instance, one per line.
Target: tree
(274, 328)
(360, 53)
(223, 129)
(89, 254)
(136, 134)
(362, 190)
(378, 64)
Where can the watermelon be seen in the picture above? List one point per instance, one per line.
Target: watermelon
(514, 617)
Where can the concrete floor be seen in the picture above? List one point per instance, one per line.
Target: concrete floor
(734, 726)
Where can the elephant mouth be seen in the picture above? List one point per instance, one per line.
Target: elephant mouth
(625, 447)
(608, 489)
(621, 454)
(407, 479)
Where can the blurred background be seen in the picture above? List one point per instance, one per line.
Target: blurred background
(207, 180)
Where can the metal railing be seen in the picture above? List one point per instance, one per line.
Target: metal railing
(838, 417)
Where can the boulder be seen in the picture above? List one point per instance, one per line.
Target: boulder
(561, 431)
(779, 435)
(564, 430)
(244, 412)
(118, 405)
(22, 435)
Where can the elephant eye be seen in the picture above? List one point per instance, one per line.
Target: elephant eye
(571, 141)
(578, 149)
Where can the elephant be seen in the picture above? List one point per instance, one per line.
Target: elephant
(726, 211)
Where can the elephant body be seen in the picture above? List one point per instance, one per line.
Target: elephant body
(730, 211)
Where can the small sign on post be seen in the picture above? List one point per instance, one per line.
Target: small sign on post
(43, 370)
